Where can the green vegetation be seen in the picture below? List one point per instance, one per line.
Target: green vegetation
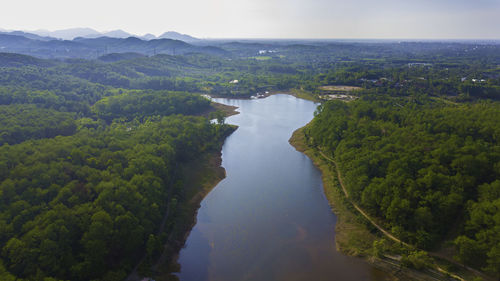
(427, 170)
(92, 151)
(91, 177)
(262, 57)
(24, 122)
(352, 237)
(81, 207)
(143, 104)
(355, 236)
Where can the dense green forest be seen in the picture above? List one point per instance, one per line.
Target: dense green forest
(428, 170)
(82, 207)
(141, 104)
(24, 122)
(90, 141)
(88, 171)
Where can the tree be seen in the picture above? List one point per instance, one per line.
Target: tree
(218, 115)
(17, 255)
(468, 250)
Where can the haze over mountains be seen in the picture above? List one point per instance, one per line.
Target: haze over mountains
(88, 43)
(72, 33)
(116, 45)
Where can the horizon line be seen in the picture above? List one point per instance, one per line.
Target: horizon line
(264, 38)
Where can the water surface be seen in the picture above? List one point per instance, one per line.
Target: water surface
(269, 218)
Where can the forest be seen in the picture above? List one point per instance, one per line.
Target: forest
(91, 142)
(82, 207)
(428, 170)
(88, 172)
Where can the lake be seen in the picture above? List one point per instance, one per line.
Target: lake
(269, 218)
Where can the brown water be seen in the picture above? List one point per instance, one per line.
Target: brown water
(269, 218)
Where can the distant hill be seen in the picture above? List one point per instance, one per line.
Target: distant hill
(148, 36)
(29, 35)
(178, 36)
(72, 33)
(17, 60)
(114, 57)
(8, 41)
(92, 48)
(133, 44)
(69, 34)
(117, 34)
(113, 34)
(151, 47)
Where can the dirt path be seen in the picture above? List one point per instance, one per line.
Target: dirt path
(392, 237)
(361, 211)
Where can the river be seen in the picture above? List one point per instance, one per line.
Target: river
(269, 218)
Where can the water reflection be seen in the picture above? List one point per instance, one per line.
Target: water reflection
(269, 218)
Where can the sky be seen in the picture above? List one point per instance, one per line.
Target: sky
(389, 19)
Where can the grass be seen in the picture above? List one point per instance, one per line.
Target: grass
(339, 88)
(227, 109)
(214, 106)
(262, 57)
(304, 95)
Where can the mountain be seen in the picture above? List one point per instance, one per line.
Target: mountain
(117, 34)
(177, 36)
(8, 41)
(113, 57)
(72, 33)
(68, 34)
(91, 48)
(28, 35)
(148, 36)
(18, 60)
(134, 44)
(112, 34)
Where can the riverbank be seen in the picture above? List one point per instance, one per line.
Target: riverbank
(355, 236)
(227, 109)
(199, 176)
(298, 93)
(215, 106)
(351, 237)
(303, 94)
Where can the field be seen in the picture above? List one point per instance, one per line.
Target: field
(262, 57)
(340, 88)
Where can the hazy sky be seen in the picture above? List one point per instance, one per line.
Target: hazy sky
(264, 18)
